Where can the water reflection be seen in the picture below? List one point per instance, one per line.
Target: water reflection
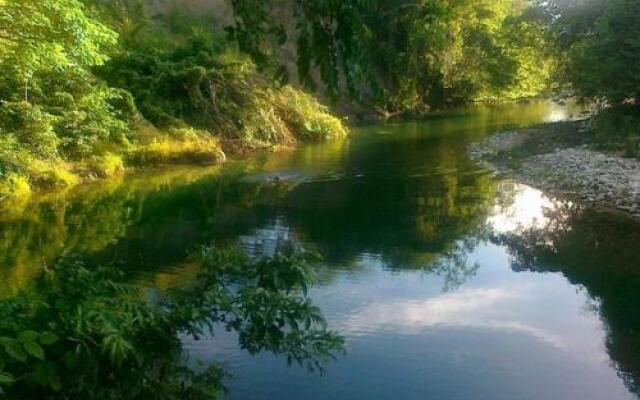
(433, 267)
(146, 223)
(597, 252)
(506, 329)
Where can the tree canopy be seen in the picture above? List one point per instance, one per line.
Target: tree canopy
(403, 55)
(599, 44)
(50, 36)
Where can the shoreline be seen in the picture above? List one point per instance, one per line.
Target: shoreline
(153, 169)
(560, 159)
(225, 151)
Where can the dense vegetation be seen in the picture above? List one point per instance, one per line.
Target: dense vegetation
(83, 95)
(405, 55)
(598, 43)
(89, 87)
(398, 56)
(120, 341)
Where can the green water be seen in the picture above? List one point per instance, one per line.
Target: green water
(446, 282)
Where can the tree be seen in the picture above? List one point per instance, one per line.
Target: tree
(600, 41)
(402, 55)
(87, 333)
(39, 36)
(51, 104)
(605, 63)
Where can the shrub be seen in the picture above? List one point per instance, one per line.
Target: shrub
(208, 84)
(51, 175)
(307, 118)
(88, 122)
(14, 185)
(20, 168)
(30, 126)
(106, 165)
(618, 128)
(178, 145)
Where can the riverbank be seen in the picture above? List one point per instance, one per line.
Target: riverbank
(24, 171)
(559, 158)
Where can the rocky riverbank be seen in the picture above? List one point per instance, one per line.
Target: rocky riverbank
(558, 158)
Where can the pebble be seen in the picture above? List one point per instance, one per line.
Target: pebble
(597, 178)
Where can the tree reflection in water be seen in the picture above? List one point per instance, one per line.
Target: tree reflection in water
(597, 251)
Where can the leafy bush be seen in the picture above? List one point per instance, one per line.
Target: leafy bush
(205, 82)
(30, 126)
(18, 165)
(305, 116)
(66, 108)
(106, 165)
(15, 185)
(85, 333)
(89, 124)
(618, 128)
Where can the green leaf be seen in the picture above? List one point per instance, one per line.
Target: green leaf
(28, 336)
(6, 378)
(46, 373)
(13, 348)
(48, 338)
(34, 349)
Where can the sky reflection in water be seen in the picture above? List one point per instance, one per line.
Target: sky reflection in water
(447, 282)
(502, 334)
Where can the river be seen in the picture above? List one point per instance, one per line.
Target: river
(446, 281)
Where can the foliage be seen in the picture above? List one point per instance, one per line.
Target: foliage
(35, 37)
(175, 146)
(85, 333)
(52, 110)
(18, 165)
(305, 116)
(60, 120)
(211, 86)
(600, 44)
(106, 165)
(600, 41)
(405, 55)
(50, 102)
(29, 126)
(15, 185)
(618, 128)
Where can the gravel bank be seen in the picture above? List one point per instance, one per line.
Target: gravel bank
(545, 158)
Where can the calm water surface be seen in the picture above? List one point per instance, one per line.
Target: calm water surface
(447, 282)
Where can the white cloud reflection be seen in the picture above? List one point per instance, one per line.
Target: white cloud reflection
(505, 308)
(469, 308)
(521, 207)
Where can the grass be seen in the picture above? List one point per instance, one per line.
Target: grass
(307, 118)
(178, 146)
(283, 115)
(14, 185)
(107, 165)
(22, 173)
